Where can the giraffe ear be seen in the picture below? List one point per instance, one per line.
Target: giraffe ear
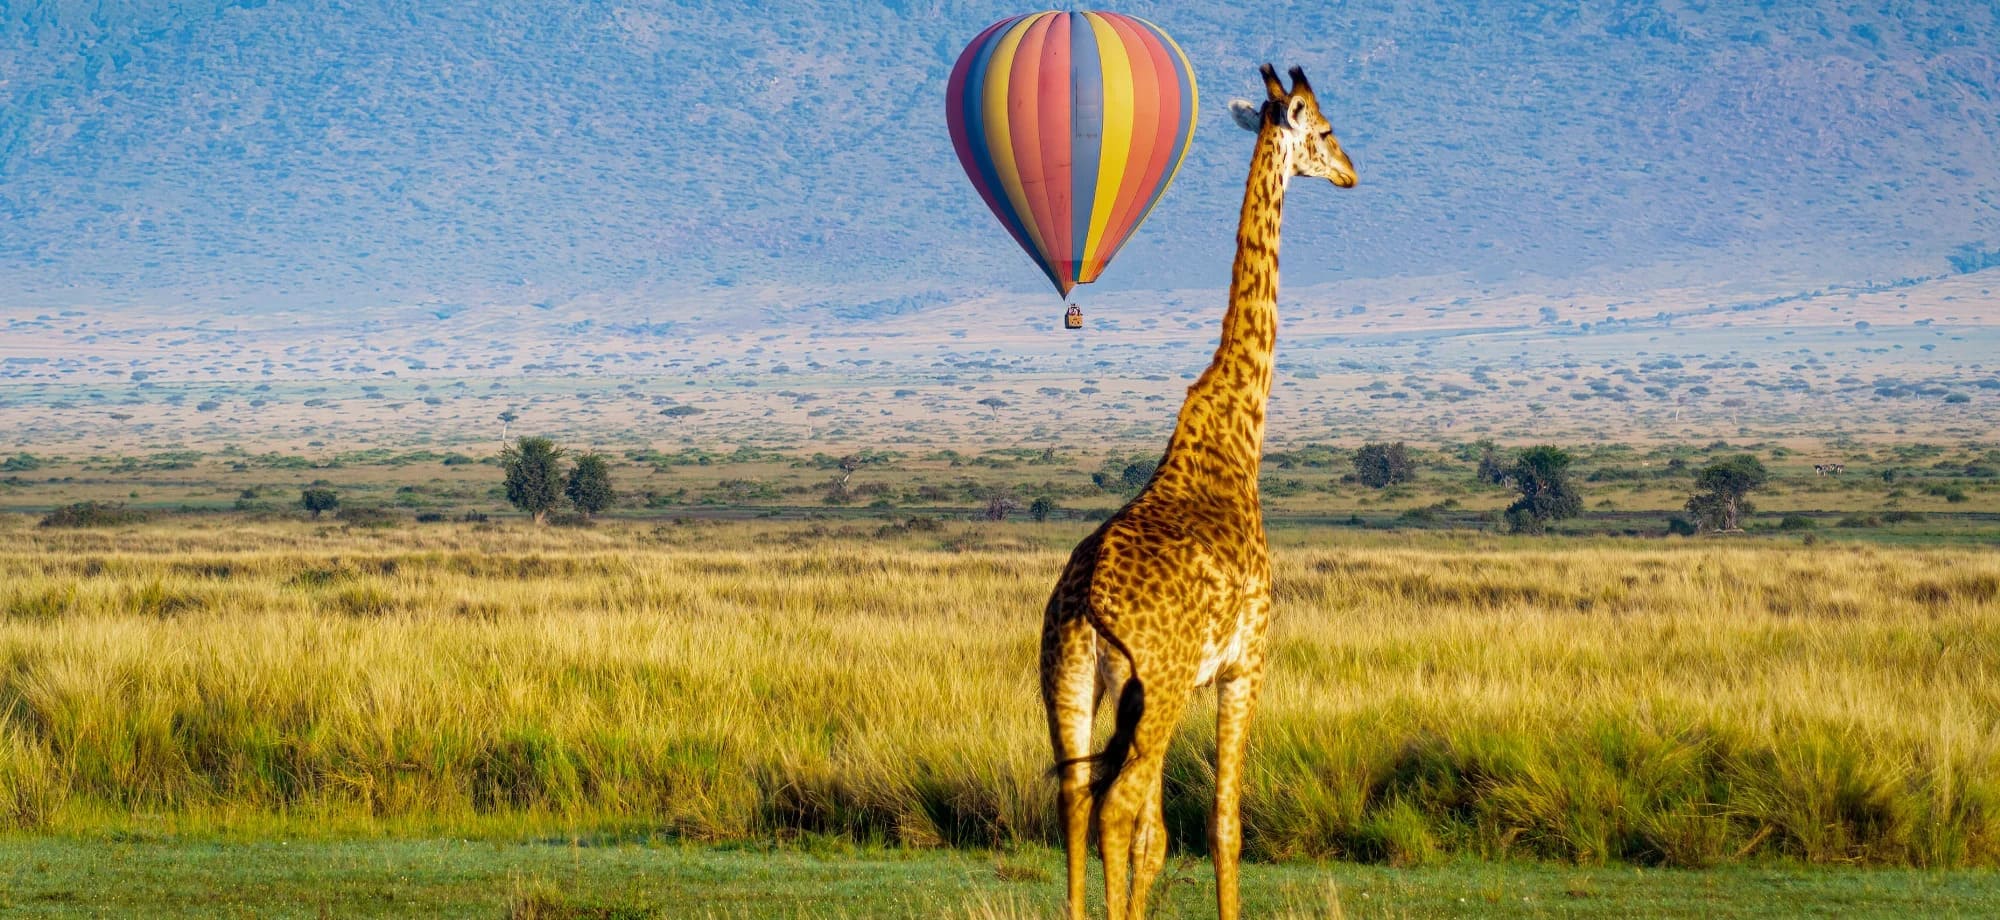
(1247, 114)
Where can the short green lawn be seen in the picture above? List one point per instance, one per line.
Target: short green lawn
(79, 877)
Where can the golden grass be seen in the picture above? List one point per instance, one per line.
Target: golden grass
(1686, 703)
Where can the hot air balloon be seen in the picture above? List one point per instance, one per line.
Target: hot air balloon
(1071, 126)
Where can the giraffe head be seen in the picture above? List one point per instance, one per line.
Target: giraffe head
(1304, 137)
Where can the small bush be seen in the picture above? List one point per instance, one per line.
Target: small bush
(1426, 515)
(367, 516)
(93, 514)
(1797, 522)
(1680, 526)
(1859, 521)
(1951, 492)
(1379, 466)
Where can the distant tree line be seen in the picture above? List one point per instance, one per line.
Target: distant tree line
(536, 481)
(1547, 487)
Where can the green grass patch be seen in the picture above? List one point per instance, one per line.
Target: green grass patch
(574, 878)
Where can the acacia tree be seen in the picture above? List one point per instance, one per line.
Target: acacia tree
(589, 485)
(1721, 490)
(1541, 475)
(318, 500)
(1379, 466)
(534, 475)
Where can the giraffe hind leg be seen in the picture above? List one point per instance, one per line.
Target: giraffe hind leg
(1130, 806)
(1070, 690)
(1149, 843)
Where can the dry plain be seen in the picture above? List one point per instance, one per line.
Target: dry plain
(863, 693)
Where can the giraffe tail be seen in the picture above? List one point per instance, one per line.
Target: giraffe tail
(1105, 765)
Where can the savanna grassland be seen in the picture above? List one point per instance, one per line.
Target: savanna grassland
(1442, 705)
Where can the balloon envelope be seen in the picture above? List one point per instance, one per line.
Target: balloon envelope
(1071, 126)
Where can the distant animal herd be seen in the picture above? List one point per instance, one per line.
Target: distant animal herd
(1829, 469)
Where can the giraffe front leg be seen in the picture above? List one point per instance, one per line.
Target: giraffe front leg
(1235, 698)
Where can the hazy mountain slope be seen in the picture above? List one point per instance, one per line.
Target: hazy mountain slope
(639, 152)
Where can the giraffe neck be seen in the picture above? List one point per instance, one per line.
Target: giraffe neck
(1218, 440)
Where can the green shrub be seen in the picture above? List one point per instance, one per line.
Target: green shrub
(367, 516)
(93, 514)
(1379, 466)
(1949, 491)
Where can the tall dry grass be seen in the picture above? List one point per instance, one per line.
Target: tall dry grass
(1679, 704)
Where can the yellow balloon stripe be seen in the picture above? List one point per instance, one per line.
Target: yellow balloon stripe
(1117, 138)
(1000, 140)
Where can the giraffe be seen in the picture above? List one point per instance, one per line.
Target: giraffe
(1173, 592)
